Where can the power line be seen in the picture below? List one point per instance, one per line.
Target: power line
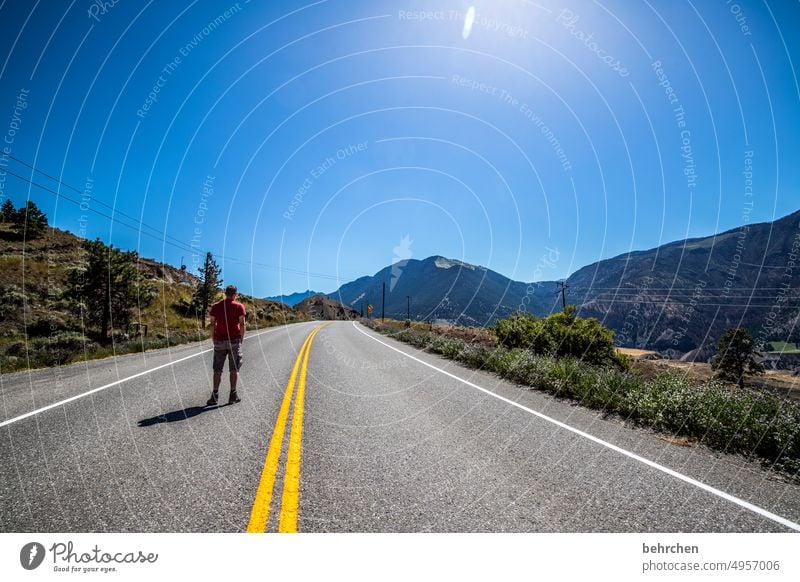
(671, 288)
(95, 211)
(94, 200)
(157, 234)
(752, 305)
(179, 244)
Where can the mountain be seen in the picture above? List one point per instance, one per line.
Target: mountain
(442, 288)
(294, 298)
(677, 298)
(681, 296)
(321, 307)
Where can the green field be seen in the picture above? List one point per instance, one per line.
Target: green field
(783, 347)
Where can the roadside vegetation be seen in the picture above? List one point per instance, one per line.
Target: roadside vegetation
(574, 358)
(84, 299)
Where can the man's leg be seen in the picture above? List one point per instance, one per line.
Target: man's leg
(219, 362)
(234, 363)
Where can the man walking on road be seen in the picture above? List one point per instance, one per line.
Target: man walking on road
(228, 324)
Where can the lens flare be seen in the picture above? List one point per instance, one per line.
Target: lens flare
(469, 20)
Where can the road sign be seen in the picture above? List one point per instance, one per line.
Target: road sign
(370, 308)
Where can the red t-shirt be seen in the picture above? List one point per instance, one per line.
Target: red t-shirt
(227, 315)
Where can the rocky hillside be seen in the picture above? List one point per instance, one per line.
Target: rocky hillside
(321, 307)
(681, 296)
(40, 324)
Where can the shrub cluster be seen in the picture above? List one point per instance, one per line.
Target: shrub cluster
(727, 419)
(560, 335)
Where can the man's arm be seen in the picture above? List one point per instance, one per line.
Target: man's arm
(213, 321)
(242, 323)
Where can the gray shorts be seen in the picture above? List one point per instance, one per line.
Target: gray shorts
(230, 348)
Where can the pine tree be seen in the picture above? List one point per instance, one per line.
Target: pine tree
(736, 356)
(208, 288)
(29, 221)
(8, 212)
(109, 287)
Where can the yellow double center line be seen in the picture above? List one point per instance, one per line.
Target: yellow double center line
(259, 516)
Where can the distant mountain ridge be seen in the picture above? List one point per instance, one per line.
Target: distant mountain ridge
(442, 288)
(293, 298)
(677, 298)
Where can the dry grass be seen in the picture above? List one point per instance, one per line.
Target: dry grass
(638, 354)
(473, 335)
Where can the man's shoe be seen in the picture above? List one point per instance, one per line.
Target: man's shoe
(213, 401)
(234, 398)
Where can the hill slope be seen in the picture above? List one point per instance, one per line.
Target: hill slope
(39, 322)
(321, 307)
(681, 296)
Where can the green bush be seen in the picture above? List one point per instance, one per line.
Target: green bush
(59, 348)
(11, 300)
(561, 335)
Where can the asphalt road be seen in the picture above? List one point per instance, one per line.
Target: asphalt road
(389, 439)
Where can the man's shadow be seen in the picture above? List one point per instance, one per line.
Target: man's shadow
(176, 415)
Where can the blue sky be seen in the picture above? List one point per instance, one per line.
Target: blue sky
(315, 137)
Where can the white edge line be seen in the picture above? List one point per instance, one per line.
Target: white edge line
(115, 383)
(726, 496)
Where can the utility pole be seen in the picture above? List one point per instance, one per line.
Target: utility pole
(408, 309)
(362, 309)
(204, 296)
(383, 300)
(563, 298)
(206, 291)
